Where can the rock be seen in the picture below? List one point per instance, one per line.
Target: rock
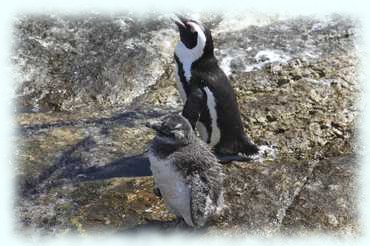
(328, 202)
(296, 82)
(258, 194)
(66, 63)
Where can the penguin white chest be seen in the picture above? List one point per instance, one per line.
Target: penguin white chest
(174, 190)
(179, 85)
(186, 57)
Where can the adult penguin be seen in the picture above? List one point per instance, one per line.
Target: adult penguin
(210, 102)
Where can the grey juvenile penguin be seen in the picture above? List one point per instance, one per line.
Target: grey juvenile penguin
(185, 171)
(210, 101)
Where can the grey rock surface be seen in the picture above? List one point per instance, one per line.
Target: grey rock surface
(335, 184)
(297, 86)
(68, 62)
(275, 44)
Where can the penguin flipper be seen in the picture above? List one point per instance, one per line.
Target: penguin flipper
(198, 201)
(194, 105)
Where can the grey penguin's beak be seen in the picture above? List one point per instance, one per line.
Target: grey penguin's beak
(154, 125)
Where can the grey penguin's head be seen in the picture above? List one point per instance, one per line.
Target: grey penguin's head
(174, 129)
(194, 35)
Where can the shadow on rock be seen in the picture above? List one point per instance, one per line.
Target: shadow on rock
(131, 166)
(68, 168)
(65, 164)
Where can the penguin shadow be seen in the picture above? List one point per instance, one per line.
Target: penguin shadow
(62, 171)
(128, 166)
(69, 167)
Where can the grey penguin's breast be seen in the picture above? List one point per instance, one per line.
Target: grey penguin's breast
(175, 192)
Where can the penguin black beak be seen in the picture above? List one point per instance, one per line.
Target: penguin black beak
(180, 21)
(181, 18)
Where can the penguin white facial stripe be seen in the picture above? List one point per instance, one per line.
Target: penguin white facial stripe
(188, 56)
(195, 27)
(211, 103)
(201, 36)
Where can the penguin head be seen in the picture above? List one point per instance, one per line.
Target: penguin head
(174, 129)
(194, 35)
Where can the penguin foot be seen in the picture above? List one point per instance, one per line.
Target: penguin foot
(265, 152)
(224, 159)
(251, 149)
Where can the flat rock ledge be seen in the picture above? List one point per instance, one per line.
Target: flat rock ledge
(284, 195)
(297, 86)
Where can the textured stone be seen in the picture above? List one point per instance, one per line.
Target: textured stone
(297, 84)
(66, 63)
(328, 202)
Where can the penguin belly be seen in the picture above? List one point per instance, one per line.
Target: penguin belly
(174, 190)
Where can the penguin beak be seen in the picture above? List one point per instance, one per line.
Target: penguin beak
(157, 126)
(180, 21)
(154, 125)
(182, 18)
